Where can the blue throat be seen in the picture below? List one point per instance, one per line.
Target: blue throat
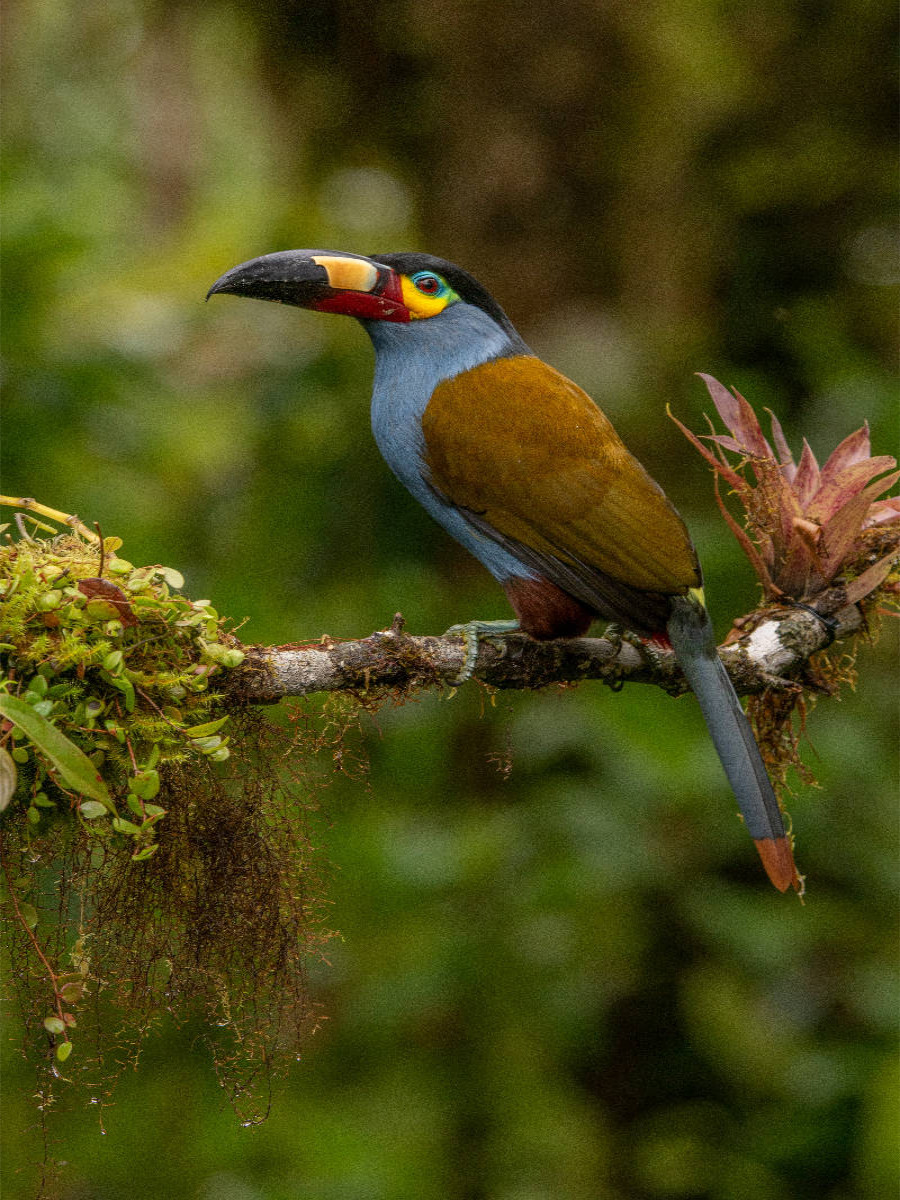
(410, 361)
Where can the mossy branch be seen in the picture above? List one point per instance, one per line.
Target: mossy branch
(766, 649)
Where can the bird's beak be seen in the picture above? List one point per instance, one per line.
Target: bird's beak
(322, 280)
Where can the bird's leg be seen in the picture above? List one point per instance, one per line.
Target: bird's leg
(470, 632)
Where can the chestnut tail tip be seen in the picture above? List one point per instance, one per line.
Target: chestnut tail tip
(778, 860)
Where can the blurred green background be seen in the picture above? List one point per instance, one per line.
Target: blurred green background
(573, 983)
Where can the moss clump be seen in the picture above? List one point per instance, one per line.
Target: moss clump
(118, 662)
(155, 852)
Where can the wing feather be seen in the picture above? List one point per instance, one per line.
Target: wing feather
(532, 461)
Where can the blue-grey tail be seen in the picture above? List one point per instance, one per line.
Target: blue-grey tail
(691, 634)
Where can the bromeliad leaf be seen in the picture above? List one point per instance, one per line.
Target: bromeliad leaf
(75, 768)
(806, 527)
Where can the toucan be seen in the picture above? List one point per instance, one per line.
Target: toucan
(519, 465)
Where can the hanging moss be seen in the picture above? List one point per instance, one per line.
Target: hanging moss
(155, 848)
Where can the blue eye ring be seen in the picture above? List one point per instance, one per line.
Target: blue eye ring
(429, 284)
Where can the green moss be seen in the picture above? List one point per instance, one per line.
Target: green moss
(155, 851)
(116, 659)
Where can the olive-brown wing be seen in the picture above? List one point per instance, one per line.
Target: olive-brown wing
(530, 455)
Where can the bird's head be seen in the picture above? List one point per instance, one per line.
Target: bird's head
(398, 288)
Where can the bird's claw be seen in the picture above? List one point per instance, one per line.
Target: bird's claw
(470, 632)
(647, 648)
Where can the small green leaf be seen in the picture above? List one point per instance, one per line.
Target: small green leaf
(38, 685)
(91, 809)
(54, 1025)
(214, 650)
(97, 609)
(207, 744)
(199, 731)
(49, 600)
(72, 992)
(124, 685)
(189, 622)
(113, 660)
(63, 1050)
(29, 915)
(33, 815)
(20, 754)
(172, 577)
(120, 566)
(146, 852)
(8, 776)
(42, 800)
(145, 784)
(122, 826)
(75, 767)
(150, 601)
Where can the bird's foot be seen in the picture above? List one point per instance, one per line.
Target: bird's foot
(618, 635)
(470, 632)
(648, 647)
(651, 649)
(614, 633)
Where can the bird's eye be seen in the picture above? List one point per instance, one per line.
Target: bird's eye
(428, 284)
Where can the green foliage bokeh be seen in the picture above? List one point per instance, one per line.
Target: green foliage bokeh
(572, 982)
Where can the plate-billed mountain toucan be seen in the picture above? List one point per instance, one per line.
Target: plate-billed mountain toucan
(522, 468)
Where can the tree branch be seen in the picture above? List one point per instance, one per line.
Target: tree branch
(763, 651)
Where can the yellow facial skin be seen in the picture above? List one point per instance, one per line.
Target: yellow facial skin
(419, 304)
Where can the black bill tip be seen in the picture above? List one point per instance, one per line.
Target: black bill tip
(287, 277)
